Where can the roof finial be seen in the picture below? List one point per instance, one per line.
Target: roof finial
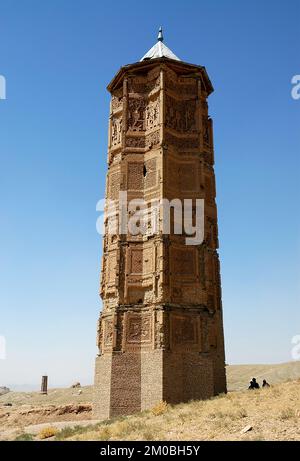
(160, 37)
(159, 50)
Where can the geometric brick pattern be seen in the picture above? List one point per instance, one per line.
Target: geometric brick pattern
(160, 332)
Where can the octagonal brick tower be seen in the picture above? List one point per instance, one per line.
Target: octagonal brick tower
(160, 333)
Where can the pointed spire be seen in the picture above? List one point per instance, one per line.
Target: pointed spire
(160, 37)
(160, 50)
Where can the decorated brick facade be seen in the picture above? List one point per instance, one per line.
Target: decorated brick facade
(160, 332)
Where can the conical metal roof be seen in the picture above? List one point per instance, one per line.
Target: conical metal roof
(160, 50)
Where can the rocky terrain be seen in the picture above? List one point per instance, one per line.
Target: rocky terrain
(4, 390)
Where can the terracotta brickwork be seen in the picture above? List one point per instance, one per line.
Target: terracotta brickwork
(160, 333)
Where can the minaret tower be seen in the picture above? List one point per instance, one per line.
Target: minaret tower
(160, 333)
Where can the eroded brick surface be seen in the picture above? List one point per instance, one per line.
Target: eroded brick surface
(160, 334)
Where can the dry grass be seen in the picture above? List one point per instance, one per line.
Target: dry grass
(47, 432)
(273, 413)
(160, 408)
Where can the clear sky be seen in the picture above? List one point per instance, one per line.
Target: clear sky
(57, 57)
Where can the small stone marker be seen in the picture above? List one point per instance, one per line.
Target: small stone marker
(246, 429)
(44, 386)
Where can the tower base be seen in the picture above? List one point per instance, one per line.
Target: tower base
(130, 382)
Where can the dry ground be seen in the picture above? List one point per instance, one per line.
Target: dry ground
(59, 396)
(274, 413)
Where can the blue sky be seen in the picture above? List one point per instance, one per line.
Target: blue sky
(57, 57)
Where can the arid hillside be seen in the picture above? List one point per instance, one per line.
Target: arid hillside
(272, 414)
(238, 376)
(265, 414)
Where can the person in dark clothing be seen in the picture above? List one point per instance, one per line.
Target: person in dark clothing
(253, 384)
(265, 384)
